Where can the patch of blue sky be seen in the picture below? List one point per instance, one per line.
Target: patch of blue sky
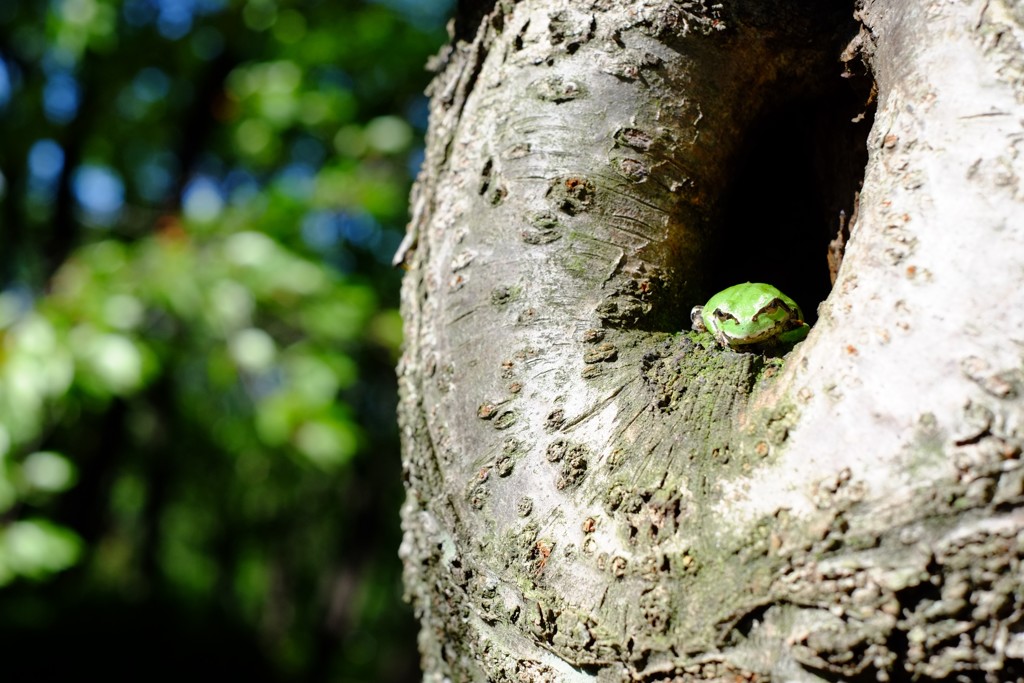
(6, 84)
(99, 192)
(62, 96)
(240, 186)
(320, 231)
(202, 199)
(173, 18)
(359, 228)
(297, 180)
(325, 230)
(45, 162)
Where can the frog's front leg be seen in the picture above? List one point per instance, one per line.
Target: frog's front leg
(796, 334)
(697, 319)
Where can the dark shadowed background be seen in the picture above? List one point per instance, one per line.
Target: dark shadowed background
(199, 469)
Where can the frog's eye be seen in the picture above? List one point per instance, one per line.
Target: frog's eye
(721, 315)
(774, 306)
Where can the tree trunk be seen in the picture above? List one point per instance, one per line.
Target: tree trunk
(597, 493)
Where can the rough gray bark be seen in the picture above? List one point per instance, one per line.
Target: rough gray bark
(595, 493)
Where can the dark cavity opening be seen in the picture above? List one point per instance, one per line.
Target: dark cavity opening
(798, 173)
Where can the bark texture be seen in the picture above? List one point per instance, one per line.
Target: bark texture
(595, 493)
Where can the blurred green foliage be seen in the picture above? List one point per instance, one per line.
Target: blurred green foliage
(199, 200)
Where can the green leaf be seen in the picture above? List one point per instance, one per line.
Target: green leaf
(48, 472)
(35, 549)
